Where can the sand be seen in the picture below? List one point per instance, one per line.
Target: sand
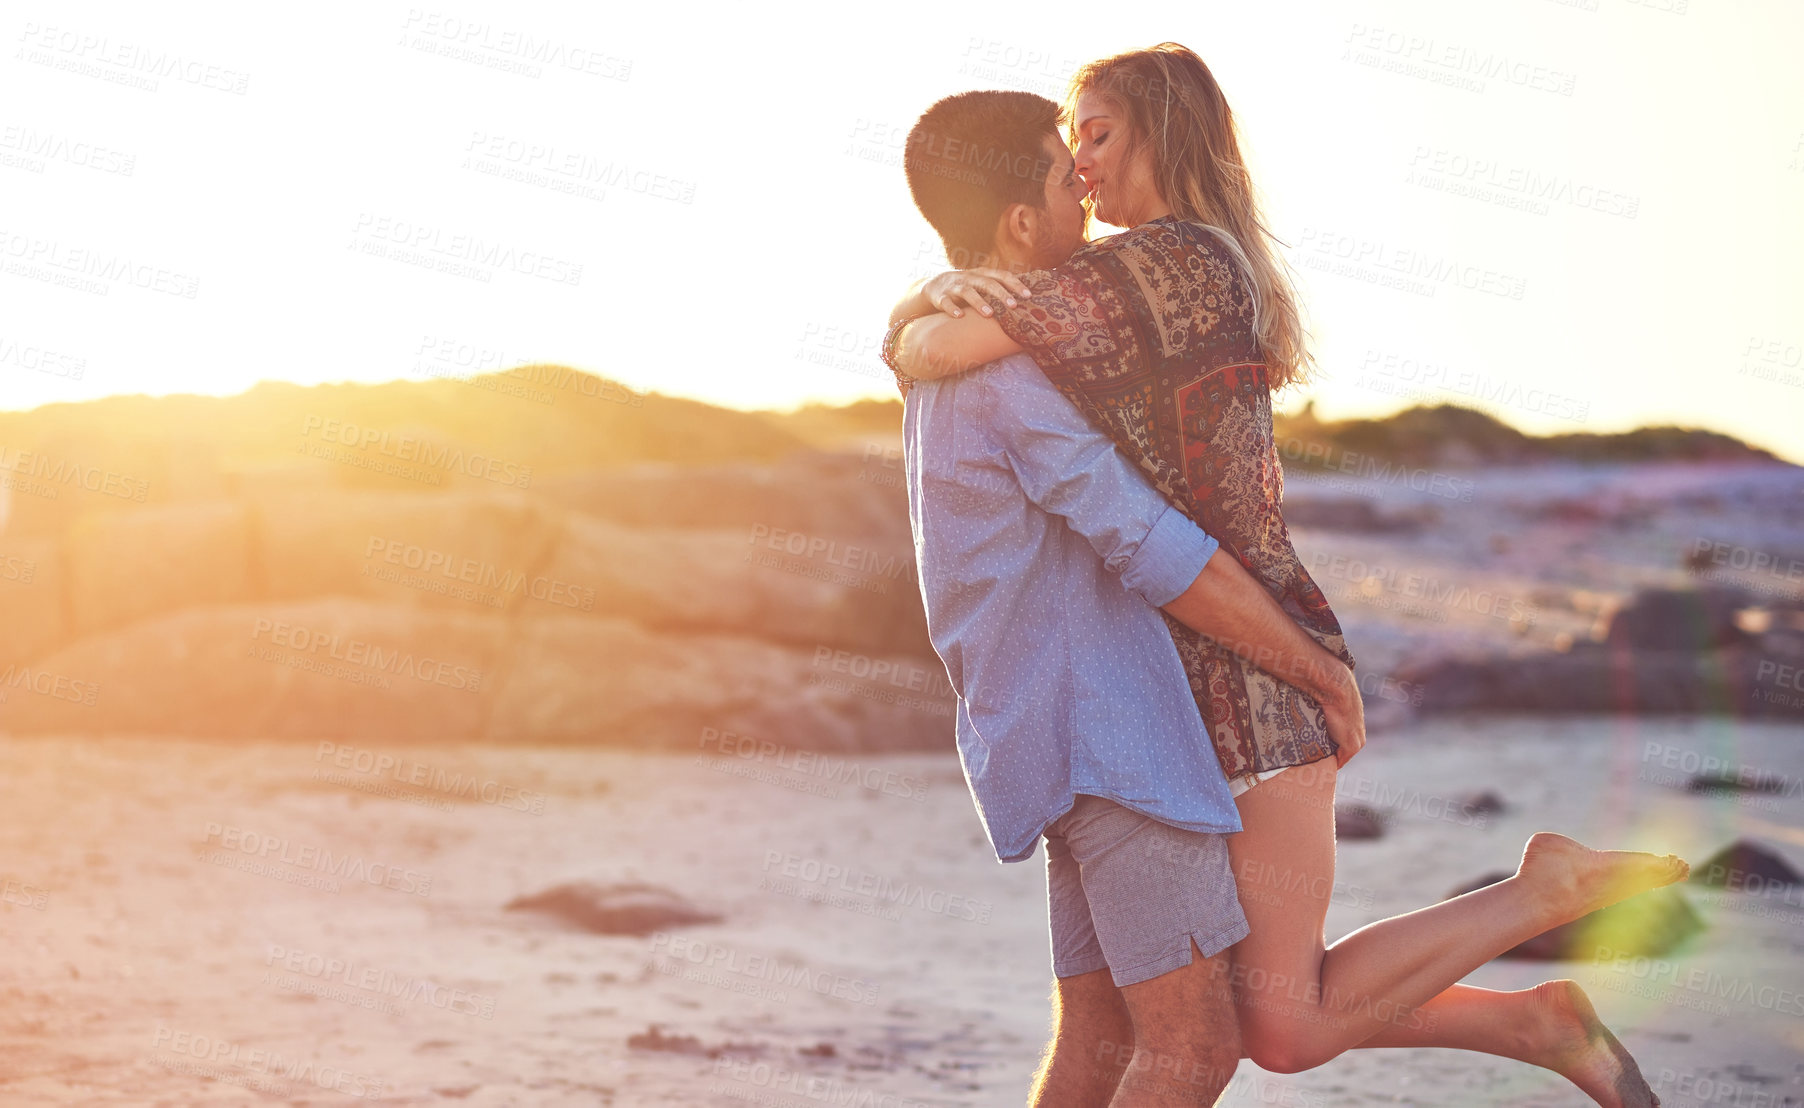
(147, 963)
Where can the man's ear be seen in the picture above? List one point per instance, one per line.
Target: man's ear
(1015, 230)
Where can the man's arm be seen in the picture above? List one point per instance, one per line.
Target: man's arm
(1074, 471)
(1227, 605)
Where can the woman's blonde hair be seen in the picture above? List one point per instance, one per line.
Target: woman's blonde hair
(1170, 100)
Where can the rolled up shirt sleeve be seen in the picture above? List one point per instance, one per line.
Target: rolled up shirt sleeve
(1072, 470)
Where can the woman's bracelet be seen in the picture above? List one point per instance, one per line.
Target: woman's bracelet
(888, 352)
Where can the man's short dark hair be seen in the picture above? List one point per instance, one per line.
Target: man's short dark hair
(972, 155)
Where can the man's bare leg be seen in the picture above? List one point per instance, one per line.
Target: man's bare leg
(1092, 1040)
(1186, 1036)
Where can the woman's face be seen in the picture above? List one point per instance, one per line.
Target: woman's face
(1122, 191)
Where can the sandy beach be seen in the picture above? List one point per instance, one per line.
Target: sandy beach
(176, 938)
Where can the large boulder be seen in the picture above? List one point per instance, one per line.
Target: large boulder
(1648, 925)
(347, 669)
(32, 584)
(127, 565)
(833, 593)
(580, 680)
(474, 552)
(332, 668)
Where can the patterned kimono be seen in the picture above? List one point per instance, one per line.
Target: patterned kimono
(1150, 334)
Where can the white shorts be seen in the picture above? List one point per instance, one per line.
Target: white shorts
(1240, 784)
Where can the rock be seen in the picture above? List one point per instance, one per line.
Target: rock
(1692, 620)
(1745, 866)
(32, 583)
(1649, 925)
(1356, 821)
(1736, 783)
(1352, 514)
(1481, 803)
(653, 1039)
(1594, 679)
(345, 669)
(474, 552)
(127, 565)
(628, 908)
(836, 593)
(848, 496)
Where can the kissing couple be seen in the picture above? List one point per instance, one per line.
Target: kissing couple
(1147, 677)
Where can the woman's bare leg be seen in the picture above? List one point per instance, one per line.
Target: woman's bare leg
(1551, 1025)
(1302, 1004)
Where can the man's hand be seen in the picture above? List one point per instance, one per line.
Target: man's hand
(1346, 714)
(969, 285)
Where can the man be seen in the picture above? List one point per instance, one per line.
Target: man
(1043, 557)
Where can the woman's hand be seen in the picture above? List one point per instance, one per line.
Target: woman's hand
(968, 285)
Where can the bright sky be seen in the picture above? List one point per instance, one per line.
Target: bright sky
(1574, 213)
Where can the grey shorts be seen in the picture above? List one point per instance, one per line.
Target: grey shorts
(1128, 893)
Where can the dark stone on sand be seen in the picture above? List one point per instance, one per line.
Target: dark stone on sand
(653, 1039)
(1747, 867)
(1352, 515)
(628, 908)
(1647, 926)
(1736, 783)
(1481, 803)
(1356, 821)
(1692, 620)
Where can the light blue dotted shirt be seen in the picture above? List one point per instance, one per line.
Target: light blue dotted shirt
(1043, 555)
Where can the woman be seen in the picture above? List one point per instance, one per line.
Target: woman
(1171, 337)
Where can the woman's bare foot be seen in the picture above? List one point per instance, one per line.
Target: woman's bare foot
(1570, 879)
(1566, 1036)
